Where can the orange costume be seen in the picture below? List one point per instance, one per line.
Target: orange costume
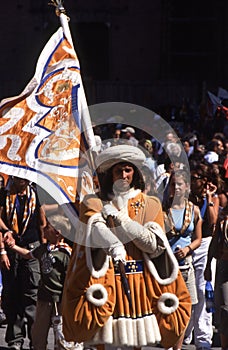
(96, 309)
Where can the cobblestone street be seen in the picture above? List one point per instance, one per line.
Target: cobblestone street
(3, 345)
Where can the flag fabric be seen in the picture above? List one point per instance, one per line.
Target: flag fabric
(222, 94)
(213, 102)
(44, 130)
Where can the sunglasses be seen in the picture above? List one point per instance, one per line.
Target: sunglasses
(196, 177)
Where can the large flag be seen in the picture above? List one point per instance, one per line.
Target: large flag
(44, 130)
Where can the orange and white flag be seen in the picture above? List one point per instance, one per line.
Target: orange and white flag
(44, 131)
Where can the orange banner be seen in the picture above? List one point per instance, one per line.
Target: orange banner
(41, 129)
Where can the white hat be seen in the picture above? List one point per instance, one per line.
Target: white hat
(117, 154)
(129, 129)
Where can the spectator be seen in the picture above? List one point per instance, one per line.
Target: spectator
(128, 134)
(214, 151)
(203, 194)
(219, 249)
(23, 219)
(147, 148)
(116, 136)
(217, 174)
(163, 179)
(184, 230)
(170, 136)
(53, 258)
(189, 149)
(150, 186)
(115, 140)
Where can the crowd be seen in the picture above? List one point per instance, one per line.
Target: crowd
(144, 189)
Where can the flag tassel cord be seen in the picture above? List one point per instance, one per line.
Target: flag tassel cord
(59, 6)
(64, 19)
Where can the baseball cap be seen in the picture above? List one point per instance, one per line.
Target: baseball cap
(129, 129)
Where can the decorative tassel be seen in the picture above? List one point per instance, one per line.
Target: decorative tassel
(168, 303)
(97, 295)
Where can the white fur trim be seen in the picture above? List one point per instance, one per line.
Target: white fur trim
(156, 228)
(104, 334)
(89, 260)
(97, 288)
(165, 309)
(123, 331)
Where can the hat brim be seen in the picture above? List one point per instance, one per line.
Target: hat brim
(119, 154)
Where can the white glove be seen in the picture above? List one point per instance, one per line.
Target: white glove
(118, 253)
(145, 238)
(109, 209)
(103, 237)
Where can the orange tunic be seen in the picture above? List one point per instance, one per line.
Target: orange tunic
(115, 322)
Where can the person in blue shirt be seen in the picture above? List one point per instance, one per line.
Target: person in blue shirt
(184, 229)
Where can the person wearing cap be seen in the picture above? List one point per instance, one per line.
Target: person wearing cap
(128, 134)
(122, 226)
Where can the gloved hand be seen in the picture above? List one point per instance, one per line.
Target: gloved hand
(146, 238)
(118, 253)
(109, 209)
(103, 237)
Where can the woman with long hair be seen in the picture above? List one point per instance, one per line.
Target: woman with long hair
(184, 230)
(204, 194)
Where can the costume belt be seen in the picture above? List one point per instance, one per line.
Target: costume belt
(131, 266)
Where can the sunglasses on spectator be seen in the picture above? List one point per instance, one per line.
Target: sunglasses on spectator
(196, 177)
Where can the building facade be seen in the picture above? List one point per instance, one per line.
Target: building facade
(152, 52)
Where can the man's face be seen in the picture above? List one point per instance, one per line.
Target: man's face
(170, 137)
(186, 146)
(197, 182)
(219, 148)
(122, 175)
(117, 134)
(126, 135)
